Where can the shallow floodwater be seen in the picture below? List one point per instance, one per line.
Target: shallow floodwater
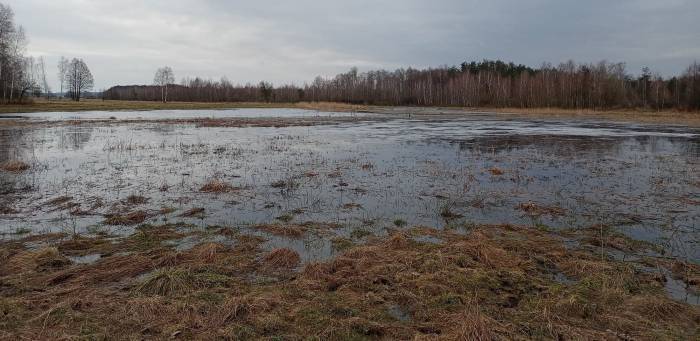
(178, 114)
(644, 180)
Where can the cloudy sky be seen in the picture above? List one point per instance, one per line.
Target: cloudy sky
(124, 41)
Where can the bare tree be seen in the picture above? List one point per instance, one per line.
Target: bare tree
(79, 79)
(63, 65)
(26, 79)
(41, 69)
(164, 76)
(7, 33)
(18, 43)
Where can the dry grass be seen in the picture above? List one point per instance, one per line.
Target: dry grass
(132, 218)
(536, 210)
(284, 230)
(495, 171)
(14, 166)
(217, 186)
(166, 282)
(210, 252)
(472, 325)
(46, 258)
(178, 281)
(492, 284)
(282, 258)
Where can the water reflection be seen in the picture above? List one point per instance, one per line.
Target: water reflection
(643, 179)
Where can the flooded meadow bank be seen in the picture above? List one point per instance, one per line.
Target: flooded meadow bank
(133, 183)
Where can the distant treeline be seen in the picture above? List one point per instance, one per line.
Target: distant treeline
(476, 84)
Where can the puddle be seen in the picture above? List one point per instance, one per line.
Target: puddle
(679, 291)
(398, 313)
(486, 166)
(87, 259)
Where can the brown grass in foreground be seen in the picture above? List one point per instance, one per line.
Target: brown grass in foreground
(495, 283)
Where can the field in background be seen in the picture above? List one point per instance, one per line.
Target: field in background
(94, 105)
(638, 115)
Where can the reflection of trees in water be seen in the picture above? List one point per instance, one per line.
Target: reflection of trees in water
(570, 146)
(691, 147)
(558, 146)
(75, 138)
(13, 146)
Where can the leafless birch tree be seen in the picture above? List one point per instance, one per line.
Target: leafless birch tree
(164, 77)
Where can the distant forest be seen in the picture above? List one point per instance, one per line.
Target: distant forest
(472, 84)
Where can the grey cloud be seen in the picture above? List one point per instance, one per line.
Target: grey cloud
(293, 41)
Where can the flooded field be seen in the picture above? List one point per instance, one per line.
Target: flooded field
(364, 175)
(629, 192)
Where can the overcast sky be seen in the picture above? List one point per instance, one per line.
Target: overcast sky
(124, 41)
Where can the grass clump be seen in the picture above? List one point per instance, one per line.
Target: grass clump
(178, 281)
(341, 244)
(217, 186)
(285, 218)
(14, 166)
(49, 258)
(286, 230)
(288, 184)
(536, 210)
(135, 200)
(447, 213)
(360, 233)
(282, 258)
(400, 223)
(495, 171)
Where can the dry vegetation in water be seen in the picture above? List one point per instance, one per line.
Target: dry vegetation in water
(496, 282)
(14, 166)
(218, 186)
